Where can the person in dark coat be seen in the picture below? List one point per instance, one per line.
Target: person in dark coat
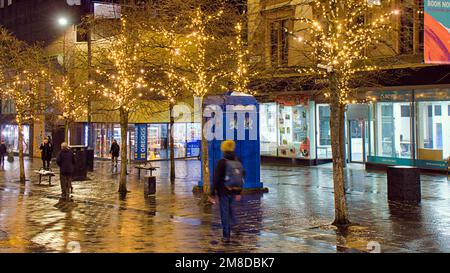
(66, 163)
(114, 151)
(3, 152)
(226, 196)
(46, 153)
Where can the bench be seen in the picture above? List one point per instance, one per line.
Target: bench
(146, 167)
(45, 173)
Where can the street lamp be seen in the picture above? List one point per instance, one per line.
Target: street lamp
(63, 22)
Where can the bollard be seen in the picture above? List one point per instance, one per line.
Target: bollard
(150, 185)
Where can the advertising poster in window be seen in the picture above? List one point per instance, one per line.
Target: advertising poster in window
(140, 148)
(437, 32)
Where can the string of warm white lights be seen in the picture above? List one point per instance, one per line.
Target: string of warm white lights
(339, 39)
(240, 77)
(24, 88)
(194, 53)
(124, 78)
(70, 98)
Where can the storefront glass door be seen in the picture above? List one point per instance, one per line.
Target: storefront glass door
(358, 140)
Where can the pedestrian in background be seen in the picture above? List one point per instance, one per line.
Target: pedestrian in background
(114, 151)
(228, 184)
(66, 163)
(3, 152)
(46, 153)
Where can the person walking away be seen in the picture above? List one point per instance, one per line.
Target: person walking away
(228, 184)
(3, 152)
(46, 153)
(115, 151)
(66, 163)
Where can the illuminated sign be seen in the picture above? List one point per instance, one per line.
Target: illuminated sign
(437, 32)
(107, 11)
(140, 142)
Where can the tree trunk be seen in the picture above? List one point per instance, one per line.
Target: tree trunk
(337, 144)
(205, 158)
(89, 125)
(89, 104)
(123, 153)
(172, 145)
(21, 159)
(66, 131)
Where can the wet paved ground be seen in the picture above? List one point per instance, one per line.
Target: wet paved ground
(293, 217)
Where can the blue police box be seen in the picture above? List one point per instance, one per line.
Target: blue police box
(235, 116)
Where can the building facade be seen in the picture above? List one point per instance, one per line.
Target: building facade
(405, 120)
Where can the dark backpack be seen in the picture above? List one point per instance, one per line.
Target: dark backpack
(234, 175)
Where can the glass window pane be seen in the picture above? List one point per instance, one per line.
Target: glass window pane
(179, 138)
(157, 141)
(268, 129)
(324, 132)
(433, 131)
(437, 110)
(394, 130)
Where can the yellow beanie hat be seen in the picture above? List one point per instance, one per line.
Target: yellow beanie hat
(228, 146)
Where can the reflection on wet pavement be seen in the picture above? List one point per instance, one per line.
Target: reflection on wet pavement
(293, 217)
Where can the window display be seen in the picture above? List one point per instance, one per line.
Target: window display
(10, 134)
(193, 137)
(269, 125)
(104, 134)
(179, 138)
(433, 130)
(293, 122)
(157, 141)
(285, 130)
(394, 129)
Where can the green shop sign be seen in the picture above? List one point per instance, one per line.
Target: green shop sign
(390, 160)
(424, 164)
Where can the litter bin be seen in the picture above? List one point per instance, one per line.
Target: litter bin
(150, 185)
(404, 184)
(80, 168)
(90, 159)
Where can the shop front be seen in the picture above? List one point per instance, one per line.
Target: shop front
(149, 141)
(288, 131)
(10, 134)
(392, 127)
(409, 127)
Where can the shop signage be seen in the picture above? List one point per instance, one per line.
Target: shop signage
(193, 148)
(437, 31)
(390, 160)
(423, 164)
(427, 164)
(140, 142)
(293, 100)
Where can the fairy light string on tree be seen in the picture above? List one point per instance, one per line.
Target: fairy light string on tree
(123, 83)
(337, 43)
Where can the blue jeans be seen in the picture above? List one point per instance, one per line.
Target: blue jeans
(227, 214)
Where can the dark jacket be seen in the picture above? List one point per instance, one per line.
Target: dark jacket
(66, 162)
(3, 150)
(115, 149)
(46, 151)
(219, 176)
